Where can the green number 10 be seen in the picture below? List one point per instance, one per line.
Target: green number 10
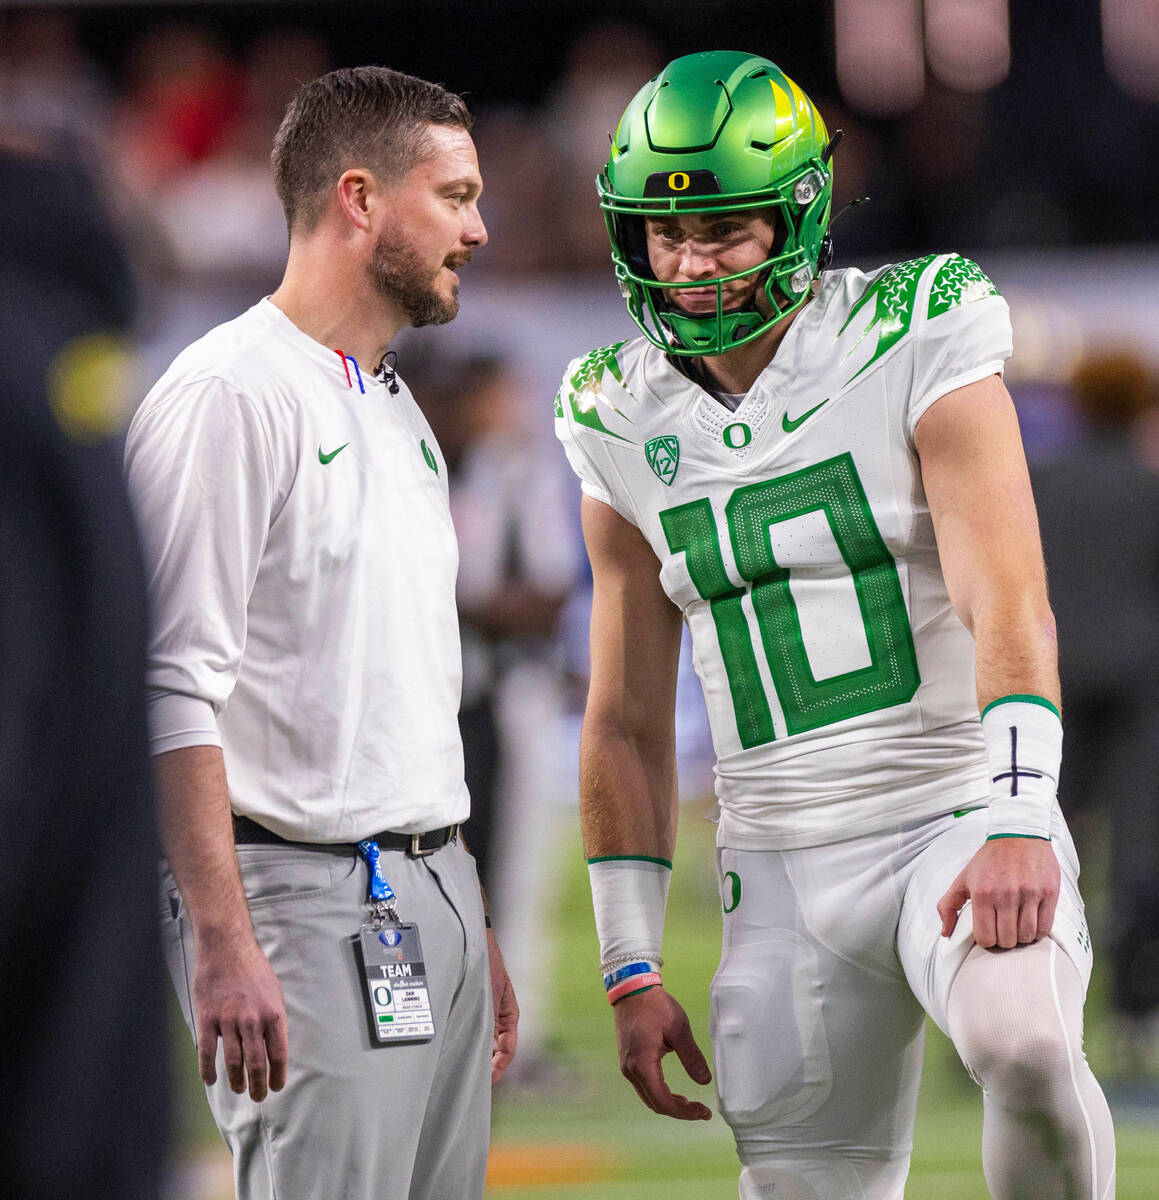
(833, 488)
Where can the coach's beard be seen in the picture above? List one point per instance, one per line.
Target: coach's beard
(401, 277)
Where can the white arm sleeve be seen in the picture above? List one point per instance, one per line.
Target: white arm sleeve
(200, 471)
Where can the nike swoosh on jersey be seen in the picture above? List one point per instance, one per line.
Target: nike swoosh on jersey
(326, 458)
(788, 424)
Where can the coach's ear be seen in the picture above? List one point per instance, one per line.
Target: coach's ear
(355, 194)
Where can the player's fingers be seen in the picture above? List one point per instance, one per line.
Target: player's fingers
(951, 904)
(1046, 911)
(277, 1050)
(641, 1091)
(502, 1052)
(1007, 924)
(253, 1048)
(985, 925)
(1028, 922)
(660, 1098)
(690, 1054)
(207, 1053)
(231, 1049)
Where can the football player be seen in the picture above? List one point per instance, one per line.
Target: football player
(820, 472)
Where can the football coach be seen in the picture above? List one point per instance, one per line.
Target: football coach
(322, 917)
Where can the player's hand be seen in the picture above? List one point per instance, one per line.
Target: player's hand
(648, 1026)
(506, 1012)
(1013, 886)
(237, 998)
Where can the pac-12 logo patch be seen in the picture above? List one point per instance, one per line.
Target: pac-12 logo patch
(663, 454)
(390, 937)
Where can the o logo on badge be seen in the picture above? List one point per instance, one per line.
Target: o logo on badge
(732, 879)
(382, 996)
(678, 181)
(737, 435)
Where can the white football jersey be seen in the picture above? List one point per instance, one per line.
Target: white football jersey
(794, 536)
(301, 562)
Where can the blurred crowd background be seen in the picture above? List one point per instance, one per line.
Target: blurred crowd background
(1025, 135)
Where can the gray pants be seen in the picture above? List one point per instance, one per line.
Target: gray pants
(356, 1119)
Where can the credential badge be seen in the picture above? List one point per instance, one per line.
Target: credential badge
(663, 454)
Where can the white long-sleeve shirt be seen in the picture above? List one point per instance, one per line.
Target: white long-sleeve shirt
(301, 563)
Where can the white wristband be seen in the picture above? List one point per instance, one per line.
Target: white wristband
(630, 896)
(1024, 748)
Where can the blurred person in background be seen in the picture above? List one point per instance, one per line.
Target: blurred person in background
(604, 65)
(182, 102)
(49, 84)
(1098, 508)
(220, 214)
(821, 472)
(518, 565)
(322, 918)
(82, 1012)
(513, 145)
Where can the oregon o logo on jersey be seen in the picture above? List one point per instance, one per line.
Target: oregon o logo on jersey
(737, 435)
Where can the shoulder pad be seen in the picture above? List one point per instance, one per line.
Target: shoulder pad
(958, 281)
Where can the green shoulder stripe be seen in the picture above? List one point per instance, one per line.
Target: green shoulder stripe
(958, 281)
(586, 383)
(893, 295)
(590, 373)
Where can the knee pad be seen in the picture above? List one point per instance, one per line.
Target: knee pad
(1006, 1028)
(772, 1056)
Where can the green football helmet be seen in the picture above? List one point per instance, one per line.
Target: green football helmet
(720, 131)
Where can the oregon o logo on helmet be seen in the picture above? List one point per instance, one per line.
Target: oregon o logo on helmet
(679, 181)
(737, 435)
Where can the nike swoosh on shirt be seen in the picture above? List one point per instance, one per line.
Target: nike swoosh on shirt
(325, 458)
(788, 424)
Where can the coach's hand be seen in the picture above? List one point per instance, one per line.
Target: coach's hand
(237, 997)
(1013, 885)
(506, 1012)
(648, 1026)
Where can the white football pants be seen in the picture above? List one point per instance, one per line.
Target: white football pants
(832, 955)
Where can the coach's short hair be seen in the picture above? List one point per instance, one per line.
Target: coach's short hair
(356, 116)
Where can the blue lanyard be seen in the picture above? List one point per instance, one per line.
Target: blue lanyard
(382, 898)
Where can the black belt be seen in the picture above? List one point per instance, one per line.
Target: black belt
(417, 845)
